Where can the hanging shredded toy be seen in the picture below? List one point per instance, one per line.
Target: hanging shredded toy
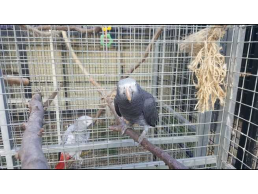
(105, 39)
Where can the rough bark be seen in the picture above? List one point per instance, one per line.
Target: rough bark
(30, 153)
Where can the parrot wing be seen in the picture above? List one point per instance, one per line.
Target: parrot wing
(68, 135)
(149, 110)
(117, 108)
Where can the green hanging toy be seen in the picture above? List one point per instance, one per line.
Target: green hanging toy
(105, 39)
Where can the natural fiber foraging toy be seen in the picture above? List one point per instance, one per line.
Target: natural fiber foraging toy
(208, 66)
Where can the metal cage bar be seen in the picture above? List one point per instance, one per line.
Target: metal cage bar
(198, 140)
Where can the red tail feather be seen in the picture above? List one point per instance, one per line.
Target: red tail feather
(61, 164)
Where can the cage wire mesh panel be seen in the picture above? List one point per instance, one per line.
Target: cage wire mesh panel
(239, 138)
(197, 140)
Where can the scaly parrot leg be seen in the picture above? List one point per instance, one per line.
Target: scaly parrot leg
(126, 125)
(143, 135)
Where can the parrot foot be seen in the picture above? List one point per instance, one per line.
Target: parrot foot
(143, 135)
(125, 126)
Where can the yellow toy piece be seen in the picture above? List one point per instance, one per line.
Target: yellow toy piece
(104, 29)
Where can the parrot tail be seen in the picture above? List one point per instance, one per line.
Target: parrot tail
(61, 163)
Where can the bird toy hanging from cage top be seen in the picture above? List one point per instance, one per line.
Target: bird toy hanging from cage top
(208, 66)
(105, 39)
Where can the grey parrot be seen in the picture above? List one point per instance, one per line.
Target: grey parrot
(135, 105)
(77, 133)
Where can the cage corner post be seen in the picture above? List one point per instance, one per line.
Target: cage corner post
(5, 129)
(235, 61)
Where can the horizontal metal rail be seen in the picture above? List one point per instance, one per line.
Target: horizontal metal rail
(189, 162)
(109, 144)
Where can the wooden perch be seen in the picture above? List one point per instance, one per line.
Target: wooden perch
(37, 31)
(172, 163)
(14, 80)
(66, 28)
(31, 154)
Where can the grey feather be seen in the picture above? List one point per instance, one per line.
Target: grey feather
(149, 110)
(117, 108)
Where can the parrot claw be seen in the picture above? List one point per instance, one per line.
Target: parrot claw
(125, 126)
(124, 129)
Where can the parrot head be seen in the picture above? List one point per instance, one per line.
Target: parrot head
(86, 120)
(126, 88)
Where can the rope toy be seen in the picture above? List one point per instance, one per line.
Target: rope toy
(208, 66)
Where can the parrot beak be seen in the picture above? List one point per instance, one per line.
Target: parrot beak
(128, 95)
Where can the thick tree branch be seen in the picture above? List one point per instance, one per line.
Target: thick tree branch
(172, 163)
(31, 154)
(66, 28)
(164, 156)
(37, 31)
(15, 80)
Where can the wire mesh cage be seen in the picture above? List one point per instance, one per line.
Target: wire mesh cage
(221, 138)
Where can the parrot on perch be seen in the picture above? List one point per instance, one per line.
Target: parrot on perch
(76, 133)
(135, 105)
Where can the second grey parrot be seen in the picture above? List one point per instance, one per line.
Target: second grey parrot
(135, 105)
